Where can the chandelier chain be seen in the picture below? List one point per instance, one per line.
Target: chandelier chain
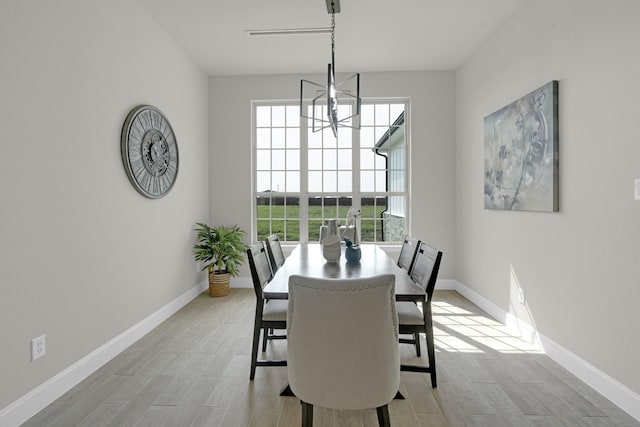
(333, 33)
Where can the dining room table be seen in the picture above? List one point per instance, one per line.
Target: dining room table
(307, 260)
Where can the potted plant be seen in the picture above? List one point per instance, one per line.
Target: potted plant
(221, 249)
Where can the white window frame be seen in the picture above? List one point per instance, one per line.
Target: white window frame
(304, 193)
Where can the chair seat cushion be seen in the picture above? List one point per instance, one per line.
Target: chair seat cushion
(275, 310)
(409, 313)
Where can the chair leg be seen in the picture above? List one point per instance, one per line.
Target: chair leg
(307, 414)
(256, 342)
(431, 351)
(416, 336)
(383, 416)
(264, 340)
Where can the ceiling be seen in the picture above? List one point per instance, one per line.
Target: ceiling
(371, 35)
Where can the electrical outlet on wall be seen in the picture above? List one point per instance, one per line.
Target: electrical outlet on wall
(636, 187)
(38, 347)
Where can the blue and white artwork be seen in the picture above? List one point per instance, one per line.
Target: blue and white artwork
(521, 153)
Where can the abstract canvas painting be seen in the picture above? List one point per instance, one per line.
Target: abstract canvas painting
(521, 153)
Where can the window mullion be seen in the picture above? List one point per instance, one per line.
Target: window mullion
(304, 178)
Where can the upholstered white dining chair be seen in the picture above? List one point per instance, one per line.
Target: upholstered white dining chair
(342, 345)
(414, 319)
(269, 314)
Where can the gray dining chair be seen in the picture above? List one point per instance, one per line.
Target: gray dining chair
(408, 253)
(274, 249)
(276, 259)
(270, 314)
(415, 320)
(342, 345)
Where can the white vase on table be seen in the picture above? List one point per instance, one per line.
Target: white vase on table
(331, 248)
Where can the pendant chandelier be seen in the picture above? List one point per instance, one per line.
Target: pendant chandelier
(336, 104)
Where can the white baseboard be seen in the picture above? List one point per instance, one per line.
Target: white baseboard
(622, 396)
(37, 399)
(241, 282)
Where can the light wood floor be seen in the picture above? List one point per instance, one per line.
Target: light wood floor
(193, 370)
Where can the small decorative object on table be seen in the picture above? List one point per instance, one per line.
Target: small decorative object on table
(330, 228)
(331, 249)
(352, 253)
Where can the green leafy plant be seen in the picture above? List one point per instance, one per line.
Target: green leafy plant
(221, 249)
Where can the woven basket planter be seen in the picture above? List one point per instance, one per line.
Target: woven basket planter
(218, 284)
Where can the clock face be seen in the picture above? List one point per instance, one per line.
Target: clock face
(149, 151)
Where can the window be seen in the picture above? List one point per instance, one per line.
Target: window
(303, 178)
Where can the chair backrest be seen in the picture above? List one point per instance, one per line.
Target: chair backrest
(425, 268)
(276, 256)
(408, 253)
(260, 269)
(342, 341)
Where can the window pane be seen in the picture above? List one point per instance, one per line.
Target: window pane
(315, 208)
(330, 160)
(367, 137)
(292, 231)
(277, 159)
(293, 138)
(293, 208)
(344, 137)
(293, 181)
(328, 140)
(344, 182)
(380, 131)
(262, 207)
(263, 181)
(381, 181)
(367, 158)
(395, 110)
(277, 138)
(366, 115)
(277, 181)
(293, 159)
(263, 116)
(330, 208)
(314, 230)
(315, 181)
(367, 183)
(345, 161)
(263, 138)
(314, 140)
(263, 159)
(293, 116)
(315, 160)
(382, 115)
(329, 181)
(278, 116)
(263, 228)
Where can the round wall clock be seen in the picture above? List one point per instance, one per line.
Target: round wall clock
(149, 151)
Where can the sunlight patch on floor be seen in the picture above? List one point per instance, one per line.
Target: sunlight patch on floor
(459, 330)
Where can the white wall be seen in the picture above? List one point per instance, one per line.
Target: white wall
(83, 256)
(579, 267)
(432, 146)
